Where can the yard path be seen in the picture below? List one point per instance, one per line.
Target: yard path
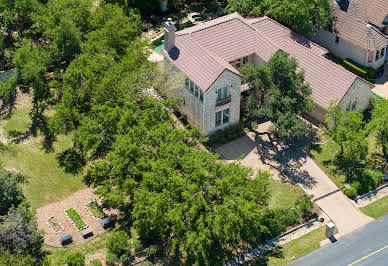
(291, 162)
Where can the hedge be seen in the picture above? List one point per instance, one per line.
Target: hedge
(370, 72)
(355, 69)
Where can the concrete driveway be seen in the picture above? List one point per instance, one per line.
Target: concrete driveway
(291, 162)
(381, 86)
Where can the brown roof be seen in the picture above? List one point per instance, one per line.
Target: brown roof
(202, 53)
(352, 22)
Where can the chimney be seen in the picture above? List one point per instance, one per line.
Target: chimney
(169, 35)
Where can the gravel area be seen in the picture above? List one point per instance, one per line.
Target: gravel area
(372, 196)
(57, 209)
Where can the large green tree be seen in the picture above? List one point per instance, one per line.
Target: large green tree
(379, 123)
(302, 16)
(284, 94)
(11, 193)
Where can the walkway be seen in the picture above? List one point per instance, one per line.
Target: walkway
(381, 86)
(57, 209)
(290, 162)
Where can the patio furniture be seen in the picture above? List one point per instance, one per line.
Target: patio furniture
(87, 232)
(67, 239)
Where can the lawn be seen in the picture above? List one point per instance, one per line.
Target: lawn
(294, 249)
(377, 208)
(46, 181)
(325, 154)
(283, 194)
(76, 218)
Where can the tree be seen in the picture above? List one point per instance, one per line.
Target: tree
(347, 128)
(18, 232)
(11, 194)
(302, 16)
(286, 95)
(379, 123)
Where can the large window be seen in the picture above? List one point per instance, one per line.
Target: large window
(218, 118)
(201, 96)
(192, 85)
(225, 116)
(187, 83)
(382, 52)
(377, 55)
(222, 93)
(370, 56)
(222, 117)
(196, 91)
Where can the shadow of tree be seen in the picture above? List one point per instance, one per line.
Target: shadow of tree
(71, 160)
(287, 156)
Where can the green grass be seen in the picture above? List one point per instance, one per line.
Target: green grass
(46, 180)
(377, 208)
(323, 156)
(58, 256)
(76, 217)
(294, 249)
(283, 194)
(19, 121)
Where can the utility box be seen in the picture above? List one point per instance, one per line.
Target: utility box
(330, 230)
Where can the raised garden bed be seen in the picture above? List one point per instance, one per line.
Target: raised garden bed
(95, 210)
(75, 218)
(54, 224)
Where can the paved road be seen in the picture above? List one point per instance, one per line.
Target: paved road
(366, 246)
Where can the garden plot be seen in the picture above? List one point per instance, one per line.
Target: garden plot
(76, 219)
(54, 224)
(95, 210)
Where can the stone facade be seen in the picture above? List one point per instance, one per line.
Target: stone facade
(344, 49)
(358, 96)
(203, 114)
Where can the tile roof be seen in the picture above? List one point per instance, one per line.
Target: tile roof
(202, 53)
(351, 23)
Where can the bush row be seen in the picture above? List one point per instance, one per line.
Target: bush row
(224, 136)
(365, 182)
(360, 70)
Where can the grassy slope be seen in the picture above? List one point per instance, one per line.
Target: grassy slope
(47, 182)
(283, 194)
(377, 208)
(295, 249)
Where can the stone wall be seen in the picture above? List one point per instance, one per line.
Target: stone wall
(359, 93)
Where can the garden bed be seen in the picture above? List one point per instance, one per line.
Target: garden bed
(95, 210)
(54, 224)
(75, 218)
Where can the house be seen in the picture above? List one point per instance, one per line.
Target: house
(358, 31)
(208, 57)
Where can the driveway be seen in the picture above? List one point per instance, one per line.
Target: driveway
(291, 162)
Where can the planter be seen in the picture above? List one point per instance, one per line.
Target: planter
(95, 210)
(54, 224)
(75, 219)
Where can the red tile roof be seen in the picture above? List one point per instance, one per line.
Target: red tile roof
(202, 53)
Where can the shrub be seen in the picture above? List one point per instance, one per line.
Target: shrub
(75, 259)
(355, 69)
(151, 251)
(118, 243)
(376, 177)
(305, 205)
(351, 192)
(125, 259)
(136, 244)
(370, 72)
(96, 262)
(277, 220)
(110, 258)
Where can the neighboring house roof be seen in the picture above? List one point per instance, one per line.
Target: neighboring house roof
(202, 53)
(352, 19)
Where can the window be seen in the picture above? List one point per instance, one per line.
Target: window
(219, 95)
(201, 96)
(218, 118)
(225, 92)
(354, 104)
(370, 56)
(245, 60)
(382, 52)
(192, 85)
(196, 91)
(377, 55)
(187, 83)
(225, 116)
(238, 65)
(336, 39)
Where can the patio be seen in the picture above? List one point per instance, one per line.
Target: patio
(381, 86)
